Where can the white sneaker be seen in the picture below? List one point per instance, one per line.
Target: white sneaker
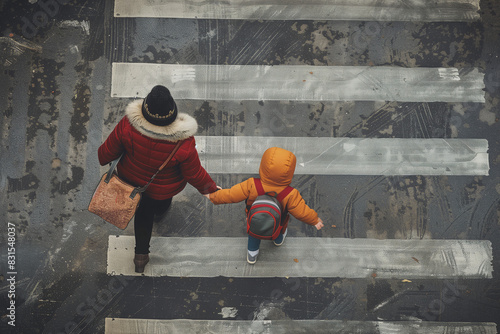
(252, 258)
(282, 240)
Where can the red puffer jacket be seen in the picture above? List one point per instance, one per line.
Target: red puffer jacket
(147, 146)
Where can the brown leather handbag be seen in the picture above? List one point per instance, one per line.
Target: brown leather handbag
(115, 200)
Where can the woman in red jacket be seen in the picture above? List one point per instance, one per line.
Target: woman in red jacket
(146, 136)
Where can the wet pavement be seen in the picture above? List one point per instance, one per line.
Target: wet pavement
(56, 110)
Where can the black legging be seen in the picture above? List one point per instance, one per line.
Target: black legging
(143, 221)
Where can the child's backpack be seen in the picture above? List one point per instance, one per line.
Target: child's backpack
(266, 217)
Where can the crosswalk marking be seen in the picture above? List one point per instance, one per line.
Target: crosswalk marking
(300, 82)
(358, 258)
(363, 10)
(307, 257)
(349, 156)
(152, 326)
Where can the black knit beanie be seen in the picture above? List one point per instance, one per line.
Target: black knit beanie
(159, 107)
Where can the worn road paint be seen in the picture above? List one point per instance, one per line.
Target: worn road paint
(363, 10)
(84, 25)
(300, 82)
(318, 257)
(349, 156)
(229, 312)
(150, 326)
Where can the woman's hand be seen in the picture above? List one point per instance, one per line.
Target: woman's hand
(208, 195)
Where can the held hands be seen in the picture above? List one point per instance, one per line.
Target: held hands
(319, 224)
(208, 195)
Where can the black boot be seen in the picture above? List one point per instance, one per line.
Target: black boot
(140, 261)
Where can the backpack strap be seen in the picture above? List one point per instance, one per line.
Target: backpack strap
(284, 193)
(258, 186)
(280, 197)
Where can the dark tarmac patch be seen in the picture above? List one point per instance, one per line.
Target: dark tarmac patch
(81, 113)
(377, 293)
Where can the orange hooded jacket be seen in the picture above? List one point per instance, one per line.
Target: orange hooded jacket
(276, 172)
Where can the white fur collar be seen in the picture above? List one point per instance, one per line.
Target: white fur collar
(183, 127)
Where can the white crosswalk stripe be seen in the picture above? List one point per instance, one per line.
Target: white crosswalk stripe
(307, 257)
(300, 82)
(362, 10)
(349, 156)
(149, 326)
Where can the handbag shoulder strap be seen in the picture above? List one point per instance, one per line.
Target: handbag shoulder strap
(112, 169)
(179, 143)
(143, 189)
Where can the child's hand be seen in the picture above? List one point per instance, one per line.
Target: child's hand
(319, 224)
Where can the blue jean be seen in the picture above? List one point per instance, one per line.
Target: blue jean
(254, 243)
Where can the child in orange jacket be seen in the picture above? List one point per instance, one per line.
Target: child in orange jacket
(276, 172)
